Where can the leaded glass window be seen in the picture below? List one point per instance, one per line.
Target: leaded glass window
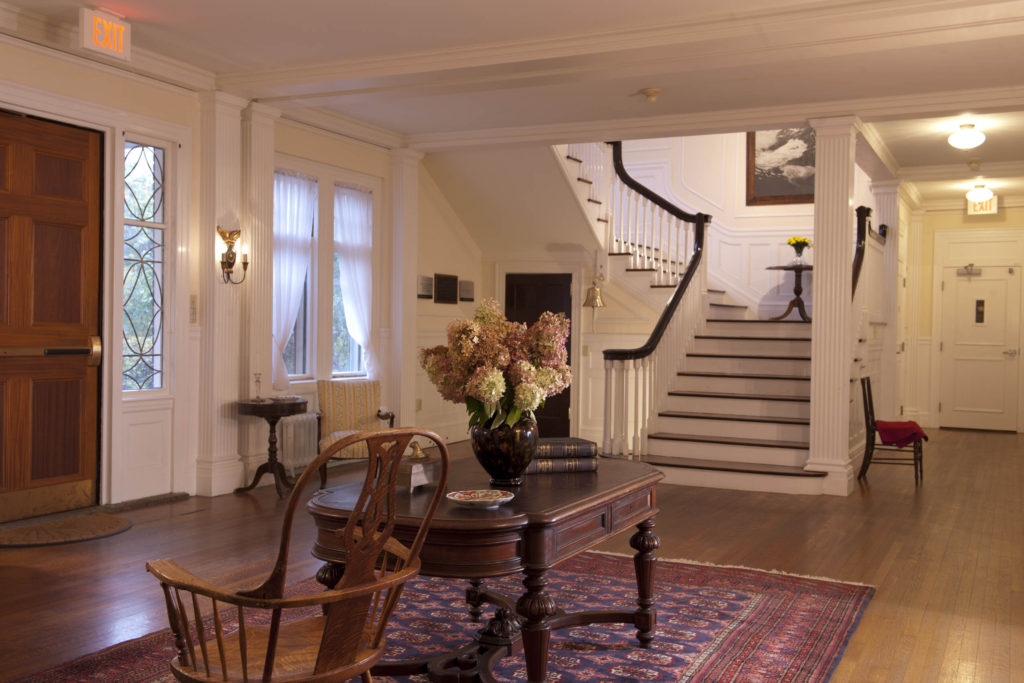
(143, 282)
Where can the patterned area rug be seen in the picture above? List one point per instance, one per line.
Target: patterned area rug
(714, 624)
(69, 530)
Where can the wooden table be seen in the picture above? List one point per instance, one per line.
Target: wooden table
(552, 518)
(271, 411)
(798, 289)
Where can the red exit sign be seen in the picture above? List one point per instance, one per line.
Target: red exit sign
(105, 33)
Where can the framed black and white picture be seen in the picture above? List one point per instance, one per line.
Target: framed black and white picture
(446, 289)
(780, 166)
(425, 287)
(465, 290)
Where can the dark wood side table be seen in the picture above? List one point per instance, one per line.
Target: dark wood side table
(271, 410)
(552, 518)
(798, 289)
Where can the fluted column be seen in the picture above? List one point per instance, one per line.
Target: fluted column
(218, 468)
(405, 168)
(831, 341)
(257, 223)
(887, 212)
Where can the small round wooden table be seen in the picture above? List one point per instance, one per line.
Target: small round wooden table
(798, 289)
(271, 410)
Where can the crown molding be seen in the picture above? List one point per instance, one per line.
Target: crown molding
(959, 171)
(946, 103)
(960, 205)
(325, 121)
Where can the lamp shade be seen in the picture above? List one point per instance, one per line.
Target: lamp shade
(979, 193)
(966, 137)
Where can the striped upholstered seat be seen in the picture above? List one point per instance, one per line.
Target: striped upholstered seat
(347, 407)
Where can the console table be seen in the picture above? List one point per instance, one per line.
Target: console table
(552, 518)
(271, 410)
(798, 289)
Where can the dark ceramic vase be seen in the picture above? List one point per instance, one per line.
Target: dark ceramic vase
(506, 451)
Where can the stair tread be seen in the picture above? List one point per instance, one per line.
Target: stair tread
(741, 375)
(727, 305)
(742, 355)
(753, 397)
(753, 339)
(735, 418)
(715, 291)
(726, 466)
(729, 440)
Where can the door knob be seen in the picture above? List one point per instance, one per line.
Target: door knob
(1010, 353)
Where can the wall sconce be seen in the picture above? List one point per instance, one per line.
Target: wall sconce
(227, 257)
(593, 298)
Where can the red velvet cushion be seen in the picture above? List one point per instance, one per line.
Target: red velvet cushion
(899, 434)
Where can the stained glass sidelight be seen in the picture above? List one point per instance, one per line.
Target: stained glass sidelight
(142, 286)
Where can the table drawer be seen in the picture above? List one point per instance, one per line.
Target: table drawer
(632, 510)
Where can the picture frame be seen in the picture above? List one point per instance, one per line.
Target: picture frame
(465, 290)
(446, 289)
(780, 166)
(425, 287)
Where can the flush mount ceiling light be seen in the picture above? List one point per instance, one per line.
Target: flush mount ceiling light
(966, 137)
(979, 193)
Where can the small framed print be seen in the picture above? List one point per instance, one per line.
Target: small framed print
(465, 290)
(425, 287)
(446, 289)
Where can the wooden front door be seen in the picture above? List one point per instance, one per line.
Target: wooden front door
(50, 190)
(980, 349)
(527, 295)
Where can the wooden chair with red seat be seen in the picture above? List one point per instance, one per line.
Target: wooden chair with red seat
(315, 635)
(895, 437)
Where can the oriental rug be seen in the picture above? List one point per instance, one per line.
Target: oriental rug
(70, 529)
(714, 624)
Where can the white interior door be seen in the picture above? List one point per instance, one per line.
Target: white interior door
(980, 349)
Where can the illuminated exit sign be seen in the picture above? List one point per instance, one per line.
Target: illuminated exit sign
(105, 33)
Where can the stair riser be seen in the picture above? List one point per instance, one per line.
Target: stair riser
(758, 329)
(759, 366)
(743, 385)
(724, 452)
(743, 429)
(727, 312)
(717, 297)
(741, 481)
(753, 347)
(738, 406)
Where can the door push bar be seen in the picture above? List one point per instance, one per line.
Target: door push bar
(94, 351)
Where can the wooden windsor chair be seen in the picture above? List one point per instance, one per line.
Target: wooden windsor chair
(317, 635)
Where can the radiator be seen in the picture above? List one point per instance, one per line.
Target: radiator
(297, 445)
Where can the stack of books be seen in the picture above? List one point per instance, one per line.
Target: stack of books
(567, 454)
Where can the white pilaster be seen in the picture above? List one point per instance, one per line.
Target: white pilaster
(218, 468)
(831, 341)
(918, 390)
(405, 168)
(887, 212)
(258, 291)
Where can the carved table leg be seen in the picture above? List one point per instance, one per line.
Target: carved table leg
(474, 596)
(534, 608)
(644, 542)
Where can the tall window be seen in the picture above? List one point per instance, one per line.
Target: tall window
(353, 277)
(295, 205)
(142, 365)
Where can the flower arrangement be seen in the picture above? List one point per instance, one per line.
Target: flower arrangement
(500, 369)
(799, 243)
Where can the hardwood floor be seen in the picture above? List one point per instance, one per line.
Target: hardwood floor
(947, 560)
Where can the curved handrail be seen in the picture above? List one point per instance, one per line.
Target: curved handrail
(700, 220)
(863, 214)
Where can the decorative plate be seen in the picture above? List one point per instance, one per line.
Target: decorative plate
(481, 498)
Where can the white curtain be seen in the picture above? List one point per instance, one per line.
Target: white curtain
(294, 218)
(353, 242)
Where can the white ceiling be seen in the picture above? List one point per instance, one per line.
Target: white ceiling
(440, 73)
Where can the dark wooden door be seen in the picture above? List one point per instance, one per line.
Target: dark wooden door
(50, 191)
(527, 295)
